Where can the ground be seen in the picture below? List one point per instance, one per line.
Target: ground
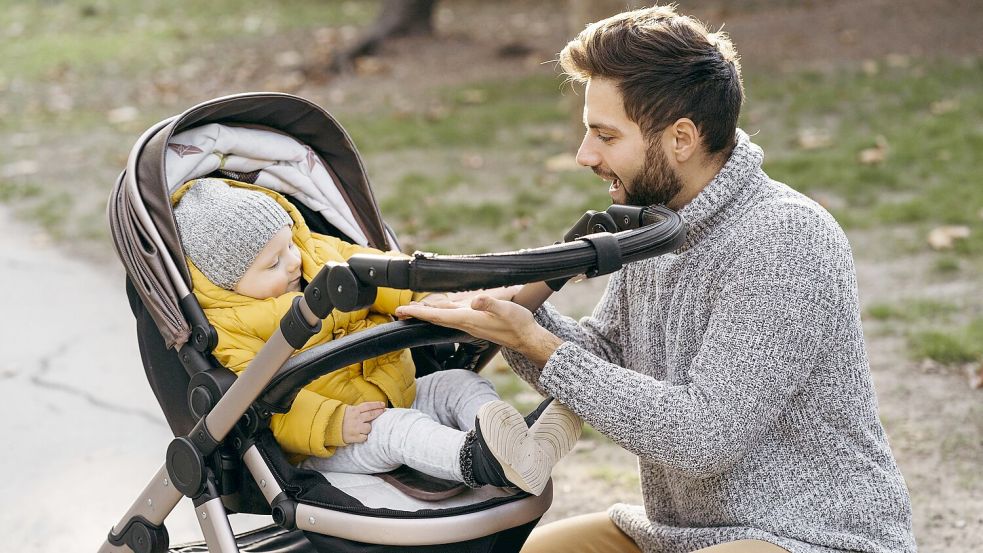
(871, 108)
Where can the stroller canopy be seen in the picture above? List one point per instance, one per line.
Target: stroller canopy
(141, 221)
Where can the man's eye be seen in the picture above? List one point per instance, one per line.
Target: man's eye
(605, 139)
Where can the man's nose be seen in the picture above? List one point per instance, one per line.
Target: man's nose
(586, 154)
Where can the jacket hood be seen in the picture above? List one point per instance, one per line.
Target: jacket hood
(211, 295)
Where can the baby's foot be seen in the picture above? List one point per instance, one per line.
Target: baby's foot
(526, 455)
(557, 430)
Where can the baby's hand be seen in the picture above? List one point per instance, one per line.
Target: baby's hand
(357, 424)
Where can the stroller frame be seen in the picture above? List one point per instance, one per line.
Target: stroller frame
(601, 244)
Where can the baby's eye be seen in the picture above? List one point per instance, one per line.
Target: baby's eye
(275, 264)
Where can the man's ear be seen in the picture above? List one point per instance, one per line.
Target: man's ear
(685, 139)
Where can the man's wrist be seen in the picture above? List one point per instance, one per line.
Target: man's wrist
(540, 345)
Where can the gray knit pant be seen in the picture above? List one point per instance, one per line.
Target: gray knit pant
(428, 436)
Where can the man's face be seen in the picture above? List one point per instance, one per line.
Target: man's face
(615, 148)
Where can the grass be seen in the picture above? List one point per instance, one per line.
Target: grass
(912, 310)
(932, 330)
(953, 345)
(58, 36)
(925, 117)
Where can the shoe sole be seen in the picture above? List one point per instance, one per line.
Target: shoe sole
(508, 439)
(557, 428)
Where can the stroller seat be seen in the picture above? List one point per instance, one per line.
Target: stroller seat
(335, 508)
(223, 455)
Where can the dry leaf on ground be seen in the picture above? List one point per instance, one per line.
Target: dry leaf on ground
(975, 375)
(474, 96)
(943, 238)
(942, 107)
(875, 155)
(123, 114)
(22, 168)
(472, 161)
(814, 139)
(370, 66)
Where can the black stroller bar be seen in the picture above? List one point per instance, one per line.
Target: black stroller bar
(308, 365)
(590, 254)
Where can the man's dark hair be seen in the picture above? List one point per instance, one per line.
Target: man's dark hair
(667, 66)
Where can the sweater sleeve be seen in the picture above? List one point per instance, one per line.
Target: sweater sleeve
(598, 334)
(312, 426)
(769, 327)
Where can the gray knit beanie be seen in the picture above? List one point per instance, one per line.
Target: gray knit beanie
(223, 228)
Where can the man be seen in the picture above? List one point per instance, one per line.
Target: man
(735, 367)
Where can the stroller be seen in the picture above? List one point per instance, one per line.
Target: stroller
(224, 456)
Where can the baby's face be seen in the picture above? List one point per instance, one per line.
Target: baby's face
(275, 271)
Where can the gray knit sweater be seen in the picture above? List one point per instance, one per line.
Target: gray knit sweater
(735, 369)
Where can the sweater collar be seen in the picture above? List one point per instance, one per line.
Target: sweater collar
(742, 170)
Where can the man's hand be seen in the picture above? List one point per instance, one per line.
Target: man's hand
(495, 320)
(357, 424)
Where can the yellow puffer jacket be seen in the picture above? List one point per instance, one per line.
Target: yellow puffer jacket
(244, 324)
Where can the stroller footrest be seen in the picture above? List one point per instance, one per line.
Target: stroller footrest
(141, 536)
(421, 486)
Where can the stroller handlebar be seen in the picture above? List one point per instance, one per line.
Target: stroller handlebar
(599, 244)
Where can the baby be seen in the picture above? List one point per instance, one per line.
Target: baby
(250, 254)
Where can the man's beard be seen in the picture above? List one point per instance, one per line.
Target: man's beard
(656, 182)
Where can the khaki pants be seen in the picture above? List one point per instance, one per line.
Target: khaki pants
(595, 533)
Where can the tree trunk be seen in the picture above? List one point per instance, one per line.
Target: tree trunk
(396, 18)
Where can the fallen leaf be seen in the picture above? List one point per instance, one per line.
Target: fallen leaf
(252, 23)
(20, 168)
(975, 375)
(123, 114)
(286, 82)
(289, 59)
(59, 101)
(828, 200)
(472, 161)
(474, 96)
(336, 96)
(369, 66)
(943, 238)
(20, 140)
(327, 36)
(875, 155)
(814, 139)
(437, 112)
(942, 107)
(848, 36)
(521, 223)
(561, 163)
(898, 60)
